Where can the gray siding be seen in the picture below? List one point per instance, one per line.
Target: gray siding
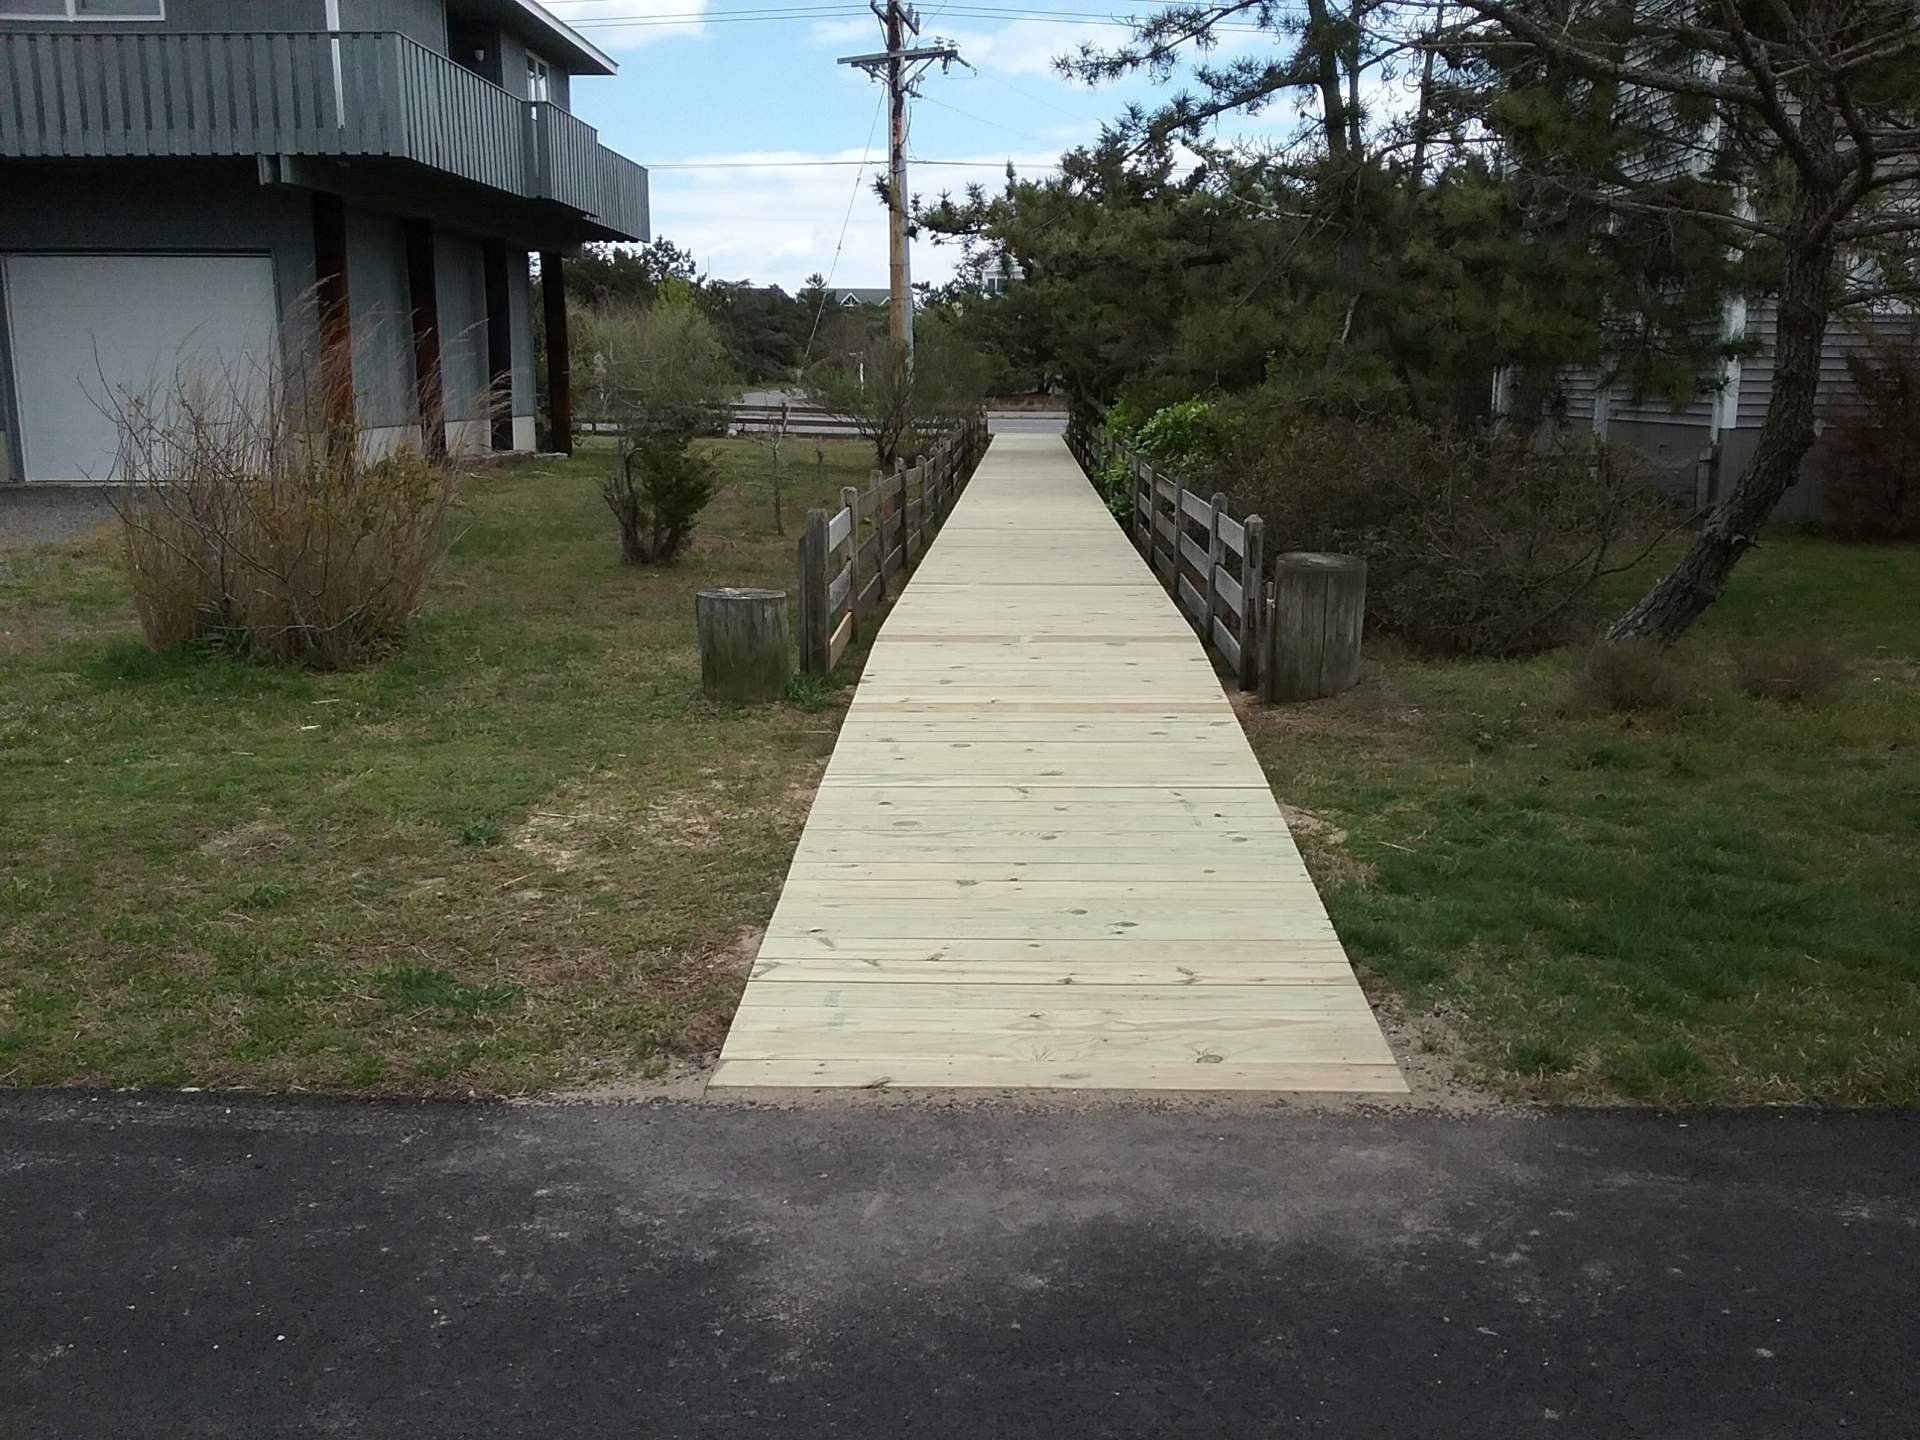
(382, 320)
(421, 20)
(461, 277)
(179, 206)
(209, 15)
(1837, 393)
(69, 93)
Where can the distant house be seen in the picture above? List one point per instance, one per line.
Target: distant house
(847, 299)
(252, 185)
(1699, 448)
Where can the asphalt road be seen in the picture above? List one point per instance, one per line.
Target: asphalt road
(35, 514)
(189, 1266)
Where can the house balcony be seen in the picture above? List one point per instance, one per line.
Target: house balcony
(342, 94)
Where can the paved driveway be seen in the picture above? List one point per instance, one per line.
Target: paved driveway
(214, 1266)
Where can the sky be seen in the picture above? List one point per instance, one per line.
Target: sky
(735, 104)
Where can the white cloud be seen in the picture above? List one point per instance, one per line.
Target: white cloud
(845, 32)
(586, 17)
(1029, 47)
(779, 225)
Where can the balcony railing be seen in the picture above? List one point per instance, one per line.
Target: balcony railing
(306, 92)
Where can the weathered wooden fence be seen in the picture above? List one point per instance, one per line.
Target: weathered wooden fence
(1212, 564)
(854, 559)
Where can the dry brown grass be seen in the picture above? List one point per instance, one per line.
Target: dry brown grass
(1800, 669)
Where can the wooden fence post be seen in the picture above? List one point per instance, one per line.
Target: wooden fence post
(1252, 601)
(814, 627)
(1319, 605)
(1179, 534)
(923, 468)
(900, 509)
(850, 502)
(876, 486)
(1214, 556)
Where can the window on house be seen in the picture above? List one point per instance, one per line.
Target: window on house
(83, 9)
(539, 79)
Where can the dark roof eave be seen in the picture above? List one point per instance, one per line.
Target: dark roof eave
(580, 55)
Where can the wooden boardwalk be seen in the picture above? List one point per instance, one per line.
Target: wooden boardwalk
(1043, 853)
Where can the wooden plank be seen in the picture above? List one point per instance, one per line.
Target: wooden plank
(1194, 507)
(796, 996)
(1194, 554)
(1227, 643)
(1233, 535)
(839, 528)
(1330, 1037)
(841, 638)
(1227, 589)
(961, 1072)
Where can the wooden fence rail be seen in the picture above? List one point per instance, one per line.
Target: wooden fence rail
(854, 559)
(1212, 564)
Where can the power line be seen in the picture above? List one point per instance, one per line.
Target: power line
(866, 151)
(963, 12)
(807, 164)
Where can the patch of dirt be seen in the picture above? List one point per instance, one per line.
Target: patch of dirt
(1425, 1045)
(1375, 710)
(255, 840)
(1323, 845)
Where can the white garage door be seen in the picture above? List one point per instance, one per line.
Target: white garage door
(83, 329)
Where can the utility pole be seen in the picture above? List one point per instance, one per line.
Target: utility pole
(901, 66)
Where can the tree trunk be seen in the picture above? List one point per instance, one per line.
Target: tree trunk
(1681, 596)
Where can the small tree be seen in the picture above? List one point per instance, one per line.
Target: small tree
(773, 441)
(664, 381)
(896, 405)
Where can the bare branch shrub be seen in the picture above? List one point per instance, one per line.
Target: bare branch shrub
(247, 523)
(901, 407)
(1625, 677)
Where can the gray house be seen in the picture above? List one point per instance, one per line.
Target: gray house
(352, 184)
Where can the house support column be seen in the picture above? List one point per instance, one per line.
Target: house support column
(423, 298)
(553, 299)
(334, 316)
(499, 343)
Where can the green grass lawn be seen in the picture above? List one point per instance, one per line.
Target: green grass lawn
(521, 854)
(1717, 905)
(524, 854)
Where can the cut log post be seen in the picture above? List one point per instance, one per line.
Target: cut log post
(743, 643)
(1313, 646)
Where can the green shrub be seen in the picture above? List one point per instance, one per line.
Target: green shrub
(660, 376)
(1117, 488)
(1475, 543)
(1185, 436)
